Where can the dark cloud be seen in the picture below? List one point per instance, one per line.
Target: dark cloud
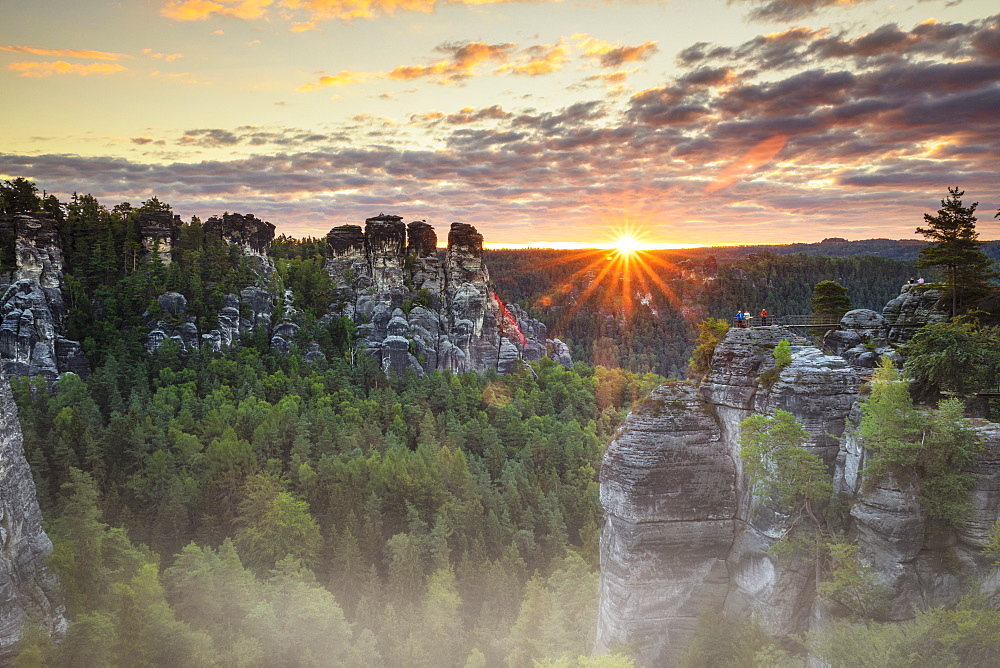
(618, 56)
(790, 10)
(470, 115)
(801, 47)
(209, 138)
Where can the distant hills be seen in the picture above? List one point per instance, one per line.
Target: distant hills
(896, 249)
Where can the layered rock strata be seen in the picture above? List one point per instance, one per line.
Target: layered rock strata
(32, 312)
(418, 311)
(662, 544)
(27, 590)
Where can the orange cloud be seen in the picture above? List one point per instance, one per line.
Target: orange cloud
(38, 70)
(755, 158)
(199, 10)
(169, 57)
(538, 60)
(342, 79)
(313, 10)
(461, 65)
(63, 53)
(615, 55)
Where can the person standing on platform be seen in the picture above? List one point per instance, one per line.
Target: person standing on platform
(747, 319)
(763, 317)
(739, 319)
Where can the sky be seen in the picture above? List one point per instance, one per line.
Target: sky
(683, 122)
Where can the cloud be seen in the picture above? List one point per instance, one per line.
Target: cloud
(199, 10)
(471, 115)
(303, 12)
(209, 138)
(168, 57)
(798, 47)
(614, 55)
(39, 70)
(64, 53)
(462, 60)
(860, 137)
(790, 10)
(344, 78)
(536, 60)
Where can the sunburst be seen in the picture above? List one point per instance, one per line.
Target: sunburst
(619, 273)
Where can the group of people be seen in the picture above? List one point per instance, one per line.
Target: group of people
(919, 281)
(744, 319)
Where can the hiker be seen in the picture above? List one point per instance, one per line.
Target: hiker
(763, 317)
(920, 281)
(911, 281)
(748, 318)
(739, 320)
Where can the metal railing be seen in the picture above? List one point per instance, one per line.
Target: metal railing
(811, 320)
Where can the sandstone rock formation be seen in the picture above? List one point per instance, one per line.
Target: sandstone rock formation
(253, 308)
(915, 307)
(418, 311)
(159, 231)
(684, 534)
(32, 312)
(27, 590)
(864, 336)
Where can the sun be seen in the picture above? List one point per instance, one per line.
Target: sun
(627, 245)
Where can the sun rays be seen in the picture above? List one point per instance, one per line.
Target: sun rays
(618, 279)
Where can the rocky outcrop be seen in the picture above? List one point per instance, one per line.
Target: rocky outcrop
(250, 234)
(865, 336)
(27, 590)
(159, 230)
(255, 307)
(418, 311)
(924, 564)
(916, 306)
(668, 486)
(660, 549)
(32, 312)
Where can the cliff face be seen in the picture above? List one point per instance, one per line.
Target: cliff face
(418, 311)
(32, 341)
(26, 589)
(683, 532)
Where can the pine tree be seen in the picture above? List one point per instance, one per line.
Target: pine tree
(955, 249)
(830, 299)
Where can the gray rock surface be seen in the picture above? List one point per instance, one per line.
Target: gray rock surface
(27, 589)
(421, 312)
(159, 230)
(916, 306)
(668, 486)
(32, 312)
(675, 469)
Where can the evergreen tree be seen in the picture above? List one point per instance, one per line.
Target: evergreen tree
(830, 300)
(955, 249)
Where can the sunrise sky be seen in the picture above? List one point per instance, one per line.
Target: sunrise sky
(688, 121)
